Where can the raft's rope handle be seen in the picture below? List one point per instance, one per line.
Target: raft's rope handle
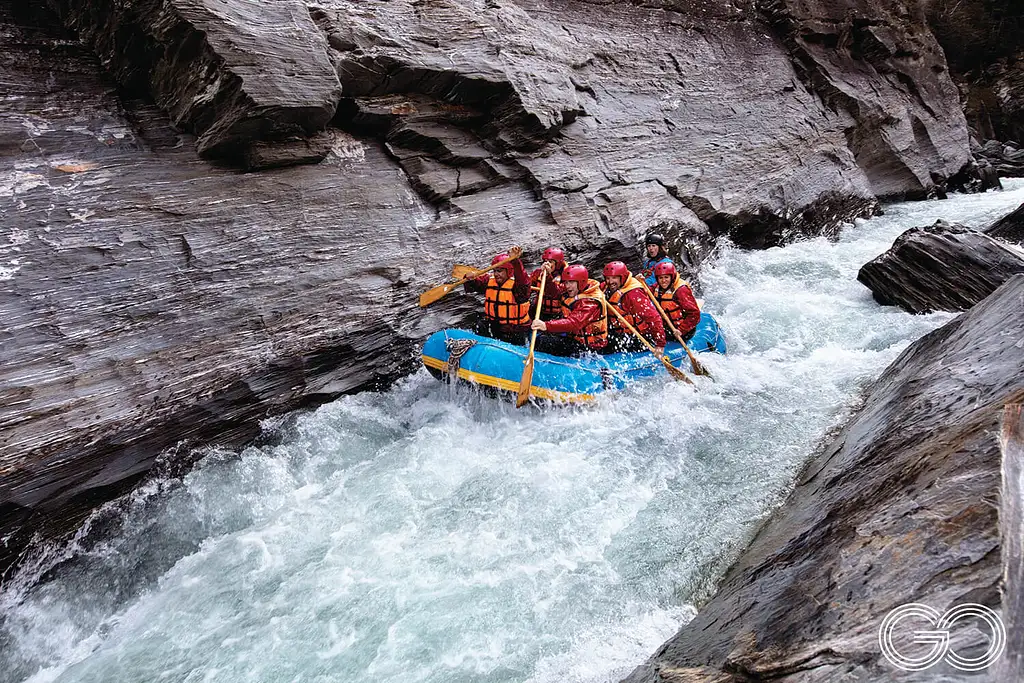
(607, 368)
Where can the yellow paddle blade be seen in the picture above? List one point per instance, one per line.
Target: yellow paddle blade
(524, 384)
(460, 271)
(431, 295)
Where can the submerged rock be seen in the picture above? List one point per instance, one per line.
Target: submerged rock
(943, 267)
(900, 508)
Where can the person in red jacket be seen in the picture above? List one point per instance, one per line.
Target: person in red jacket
(506, 293)
(554, 264)
(584, 321)
(628, 296)
(676, 298)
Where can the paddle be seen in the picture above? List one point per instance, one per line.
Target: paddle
(431, 295)
(524, 384)
(672, 370)
(698, 369)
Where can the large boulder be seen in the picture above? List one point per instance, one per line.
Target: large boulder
(1011, 532)
(942, 267)
(900, 508)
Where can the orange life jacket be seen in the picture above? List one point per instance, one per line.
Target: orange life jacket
(501, 306)
(668, 302)
(595, 334)
(615, 299)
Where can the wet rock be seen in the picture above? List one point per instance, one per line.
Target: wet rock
(944, 267)
(152, 301)
(1004, 159)
(900, 508)
(1010, 667)
(976, 176)
(1009, 228)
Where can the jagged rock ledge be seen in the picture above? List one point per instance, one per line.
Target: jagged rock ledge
(900, 508)
(151, 299)
(242, 76)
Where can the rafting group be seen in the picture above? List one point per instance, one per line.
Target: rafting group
(611, 327)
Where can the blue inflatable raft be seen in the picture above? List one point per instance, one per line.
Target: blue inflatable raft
(499, 365)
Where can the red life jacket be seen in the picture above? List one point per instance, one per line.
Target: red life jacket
(615, 299)
(667, 299)
(501, 306)
(594, 335)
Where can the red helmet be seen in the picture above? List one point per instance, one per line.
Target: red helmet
(577, 274)
(665, 268)
(616, 269)
(554, 254)
(498, 259)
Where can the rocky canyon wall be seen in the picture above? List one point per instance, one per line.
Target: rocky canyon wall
(153, 294)
(984, 44)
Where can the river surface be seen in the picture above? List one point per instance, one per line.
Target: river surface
(431, 534)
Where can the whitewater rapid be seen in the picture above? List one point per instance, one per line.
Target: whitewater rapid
(429, 533)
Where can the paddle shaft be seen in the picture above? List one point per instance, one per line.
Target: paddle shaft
(431, 295)
(698, 369)
(540, 306)
(527, 379)
(673, 370)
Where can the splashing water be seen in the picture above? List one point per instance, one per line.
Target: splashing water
(433, 534)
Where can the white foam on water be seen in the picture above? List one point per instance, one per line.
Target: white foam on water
(430, 533)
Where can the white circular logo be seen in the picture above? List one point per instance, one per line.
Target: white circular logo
(939, 637)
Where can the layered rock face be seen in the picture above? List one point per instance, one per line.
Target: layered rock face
(984, 43)
(151, 298)
(900, 508)
(943, 267)
(243, 76)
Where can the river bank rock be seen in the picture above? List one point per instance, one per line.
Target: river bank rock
(901, 507)
(943, 267)
(1011, 532)
(152, 300)
(1009, 228)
